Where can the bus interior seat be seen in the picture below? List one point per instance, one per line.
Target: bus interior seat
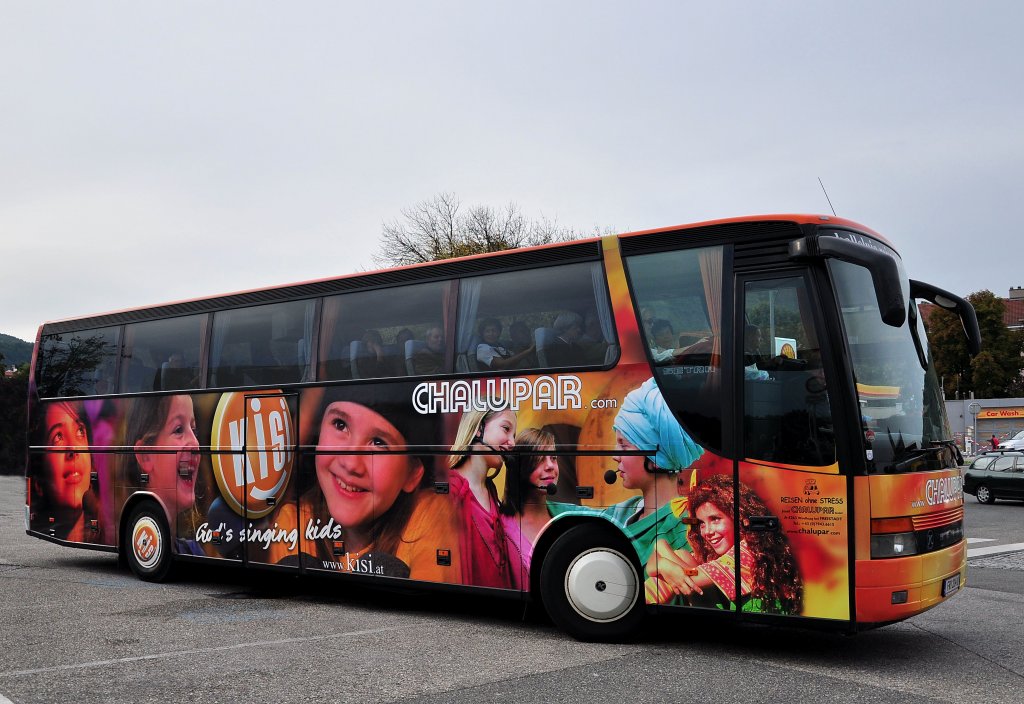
(138, 376)
(392, 363)
(175, 377)
(357, 352)
(366, 366)
(234, 357)
(466, 360)
(286, 368)
(411, 348)
(543, 338)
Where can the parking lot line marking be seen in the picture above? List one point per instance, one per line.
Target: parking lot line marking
(196, 651)
(995, 549)
(5, 700)
(980, 540)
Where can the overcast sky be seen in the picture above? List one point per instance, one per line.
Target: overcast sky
(155, 151)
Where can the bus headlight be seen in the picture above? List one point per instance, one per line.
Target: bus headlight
(893, 545)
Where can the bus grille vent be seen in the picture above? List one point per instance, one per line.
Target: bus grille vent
(940, 518)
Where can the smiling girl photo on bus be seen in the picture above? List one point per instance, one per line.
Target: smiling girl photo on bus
(61, 485)
(370, 507)
(162, 432)
(524, 509)
(491, 433)
(769, 579)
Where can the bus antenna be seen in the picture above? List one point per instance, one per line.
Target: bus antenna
(826, 196)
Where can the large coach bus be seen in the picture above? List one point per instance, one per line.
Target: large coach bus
(670, 419)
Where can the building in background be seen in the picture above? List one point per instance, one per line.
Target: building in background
(1002, 417)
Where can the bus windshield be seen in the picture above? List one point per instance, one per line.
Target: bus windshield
(903, 413)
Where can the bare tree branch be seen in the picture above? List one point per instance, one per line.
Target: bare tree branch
(438, 228)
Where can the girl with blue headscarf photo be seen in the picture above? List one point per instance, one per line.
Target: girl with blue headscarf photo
(645, 422)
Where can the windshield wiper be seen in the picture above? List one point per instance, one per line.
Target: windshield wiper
(912, 455)
(953, 447)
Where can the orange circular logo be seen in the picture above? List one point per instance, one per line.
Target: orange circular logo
(146, 542)
(254, 437)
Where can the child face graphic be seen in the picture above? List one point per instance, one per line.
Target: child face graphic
(175, 469)
(716, 528)
(499, 432)
(359, 489)
(545, 471)
(631, 467)
(67, 471)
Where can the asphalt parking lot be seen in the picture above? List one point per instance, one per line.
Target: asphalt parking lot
(79, 628)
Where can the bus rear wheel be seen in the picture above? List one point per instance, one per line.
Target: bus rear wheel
(146, 543)
(591, 587)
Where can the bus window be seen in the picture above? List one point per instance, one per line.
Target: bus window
(263, 345)
(385, 333)
(78, 363)
(787, 417)
(545, 318)
(679, 295)
(161, 355)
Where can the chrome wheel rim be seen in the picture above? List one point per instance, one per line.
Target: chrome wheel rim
(983, 494)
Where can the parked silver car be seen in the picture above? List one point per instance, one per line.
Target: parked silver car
(1014, 443)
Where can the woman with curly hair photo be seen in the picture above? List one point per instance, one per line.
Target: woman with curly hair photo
(769, 578)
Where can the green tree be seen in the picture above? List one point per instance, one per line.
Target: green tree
(996, 371)
(439, 228)
(13, 421)
(986, 373)
(63, 363)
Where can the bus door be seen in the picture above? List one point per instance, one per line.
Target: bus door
(790, 501)
(270, 532)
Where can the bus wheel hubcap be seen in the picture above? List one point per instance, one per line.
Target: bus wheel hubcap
(146, 545)
(601, 585)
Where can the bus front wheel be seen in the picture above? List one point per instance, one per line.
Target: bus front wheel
(590, 586)
(147, 544)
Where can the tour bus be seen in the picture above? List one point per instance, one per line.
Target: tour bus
(675, 419)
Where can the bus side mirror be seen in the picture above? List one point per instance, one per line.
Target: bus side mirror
(884, 269)
(954, 304)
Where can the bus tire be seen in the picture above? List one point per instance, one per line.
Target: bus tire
(147, 543)
(590, 585)
(985, 495)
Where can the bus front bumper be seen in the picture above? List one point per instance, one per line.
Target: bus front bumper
(880, 583)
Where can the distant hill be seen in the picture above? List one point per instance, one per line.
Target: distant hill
(14, 351)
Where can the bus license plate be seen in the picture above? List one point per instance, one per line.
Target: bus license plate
(950, 585)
